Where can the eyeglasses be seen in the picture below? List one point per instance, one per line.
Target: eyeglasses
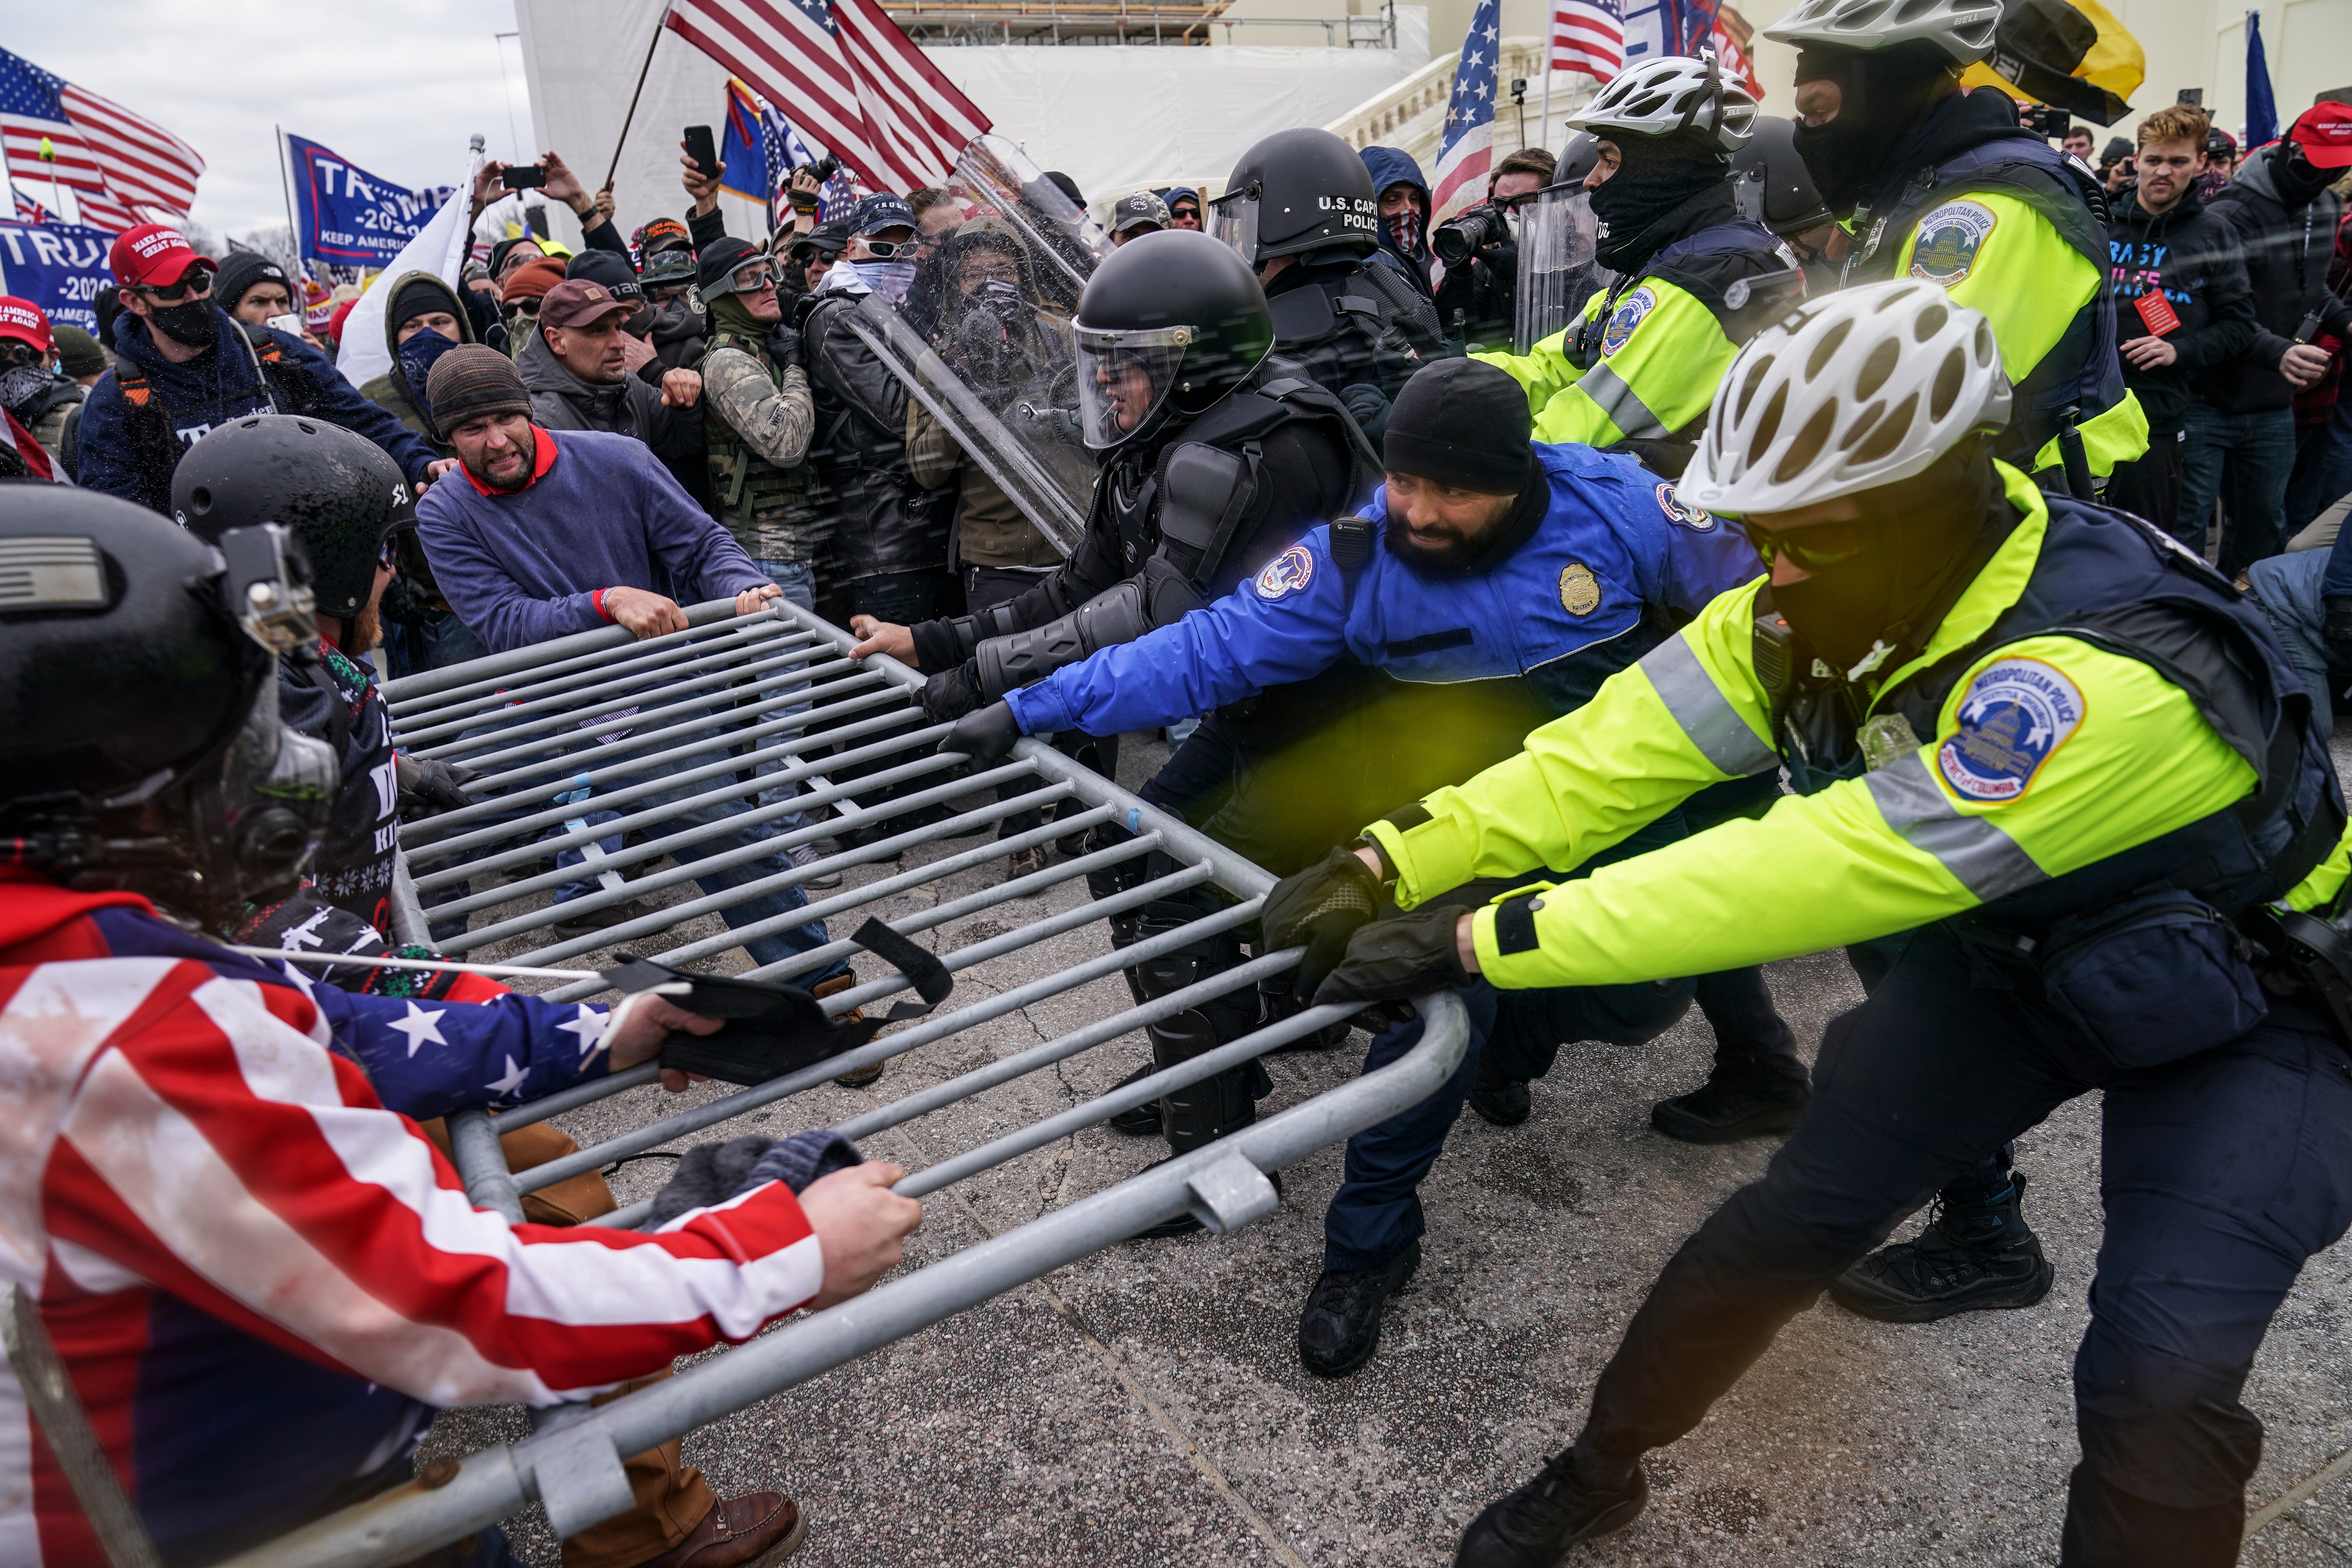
(1809, 549)
(887, 250)
(195, 283)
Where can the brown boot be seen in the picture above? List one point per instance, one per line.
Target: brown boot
(835, 987)
(757, 1530)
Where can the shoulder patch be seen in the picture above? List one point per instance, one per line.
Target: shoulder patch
(1945, 245)
(1697, 518)
(1579, 591)
(1285, 574)
(1626, 317)
(2012, 717)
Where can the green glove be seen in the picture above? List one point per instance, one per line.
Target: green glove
(1389, 961)
(1320, 907)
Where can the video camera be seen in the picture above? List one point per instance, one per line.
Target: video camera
(1476, 229)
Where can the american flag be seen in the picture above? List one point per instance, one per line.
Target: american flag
(1588, 37)
(112, 160)
(1467, 148)
(857, 83)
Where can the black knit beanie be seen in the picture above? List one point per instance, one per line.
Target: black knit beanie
(1463, 423)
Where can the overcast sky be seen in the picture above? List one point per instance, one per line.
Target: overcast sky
(395, 85)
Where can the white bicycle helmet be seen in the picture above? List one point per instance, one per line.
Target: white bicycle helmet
(1850, 392)
(1962, 28)
(1660, 96)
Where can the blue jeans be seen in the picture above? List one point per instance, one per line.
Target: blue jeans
(2244, 460)
(1377, 1211)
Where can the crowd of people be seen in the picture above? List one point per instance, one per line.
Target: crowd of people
(1904, 500)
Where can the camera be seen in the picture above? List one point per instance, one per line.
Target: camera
(1476, 229)
(2047, 122)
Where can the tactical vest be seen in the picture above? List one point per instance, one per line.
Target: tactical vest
(2083, 371)
(747, 488)
(1353, 329)
(2106, 578)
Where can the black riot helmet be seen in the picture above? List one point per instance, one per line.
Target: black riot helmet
(335, 491)
(140, 743)
(1169, 323)
(1772, 184)
(1294, 191)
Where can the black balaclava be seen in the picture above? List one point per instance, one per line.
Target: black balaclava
(1883, 97)
(1929, 536)
(1643, 203)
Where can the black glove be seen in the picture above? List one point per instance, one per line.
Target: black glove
(1321, 907)
(952, 693)
(984, 736)
(1389, 961)
(2337, 630)
(437, 786)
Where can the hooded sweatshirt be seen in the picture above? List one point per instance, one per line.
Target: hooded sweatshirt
(1388, 167)
(2287, 246)
(2191, 257)
(392, 391)
(562, 401)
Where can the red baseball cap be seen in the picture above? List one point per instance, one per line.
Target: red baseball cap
(27, 323)
(154, 255)
(2325, 131)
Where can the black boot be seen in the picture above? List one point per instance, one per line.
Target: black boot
(1498, 1096)
(1533, 1525)
(1340, 1328)
(1972, 1257)
(1744, 1097)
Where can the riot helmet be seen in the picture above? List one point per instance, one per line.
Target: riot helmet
(140, 741)
(1772, 184)
(1168, 324)
(336, 492)
(1294, 191)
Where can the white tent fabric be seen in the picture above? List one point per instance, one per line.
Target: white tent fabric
(439, 248)
(1113, 119)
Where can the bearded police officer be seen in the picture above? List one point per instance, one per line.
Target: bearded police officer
(2072, 763)
(1945, 187)
(1640, 367)
(1301, 210)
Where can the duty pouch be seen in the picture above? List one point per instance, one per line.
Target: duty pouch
(769, 1028)
(2150, 980)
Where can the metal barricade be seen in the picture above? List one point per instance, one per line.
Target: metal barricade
(668, 733)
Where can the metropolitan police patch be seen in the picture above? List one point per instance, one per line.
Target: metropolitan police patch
(1947, 241)
(2013, 717)
(1626, 318)
(1691, 517)
(1286, 574)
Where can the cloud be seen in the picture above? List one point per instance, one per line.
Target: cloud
(396, 88)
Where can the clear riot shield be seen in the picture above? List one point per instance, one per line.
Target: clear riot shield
(984, 340)
(1558, 268)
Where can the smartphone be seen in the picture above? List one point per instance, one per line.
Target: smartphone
(702, 150)
(290, 322)
(523, 176)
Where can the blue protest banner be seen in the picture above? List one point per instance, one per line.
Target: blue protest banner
(60, 266)
(345, 215)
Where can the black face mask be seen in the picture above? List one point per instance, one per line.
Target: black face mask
(1656, 178)
(192, 322)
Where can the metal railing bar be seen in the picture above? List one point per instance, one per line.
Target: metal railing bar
(497, 1481)
(564, 708)
(578, 673)
(883, 1047)
(545, 656)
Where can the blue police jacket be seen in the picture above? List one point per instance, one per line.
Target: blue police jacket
(1614, 565)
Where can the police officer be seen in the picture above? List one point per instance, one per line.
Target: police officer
(1301, 210)
(1493, 585)
(1217, 457)
(344, 501)
(1638, 369)
(2069, 760)
(1946, 187)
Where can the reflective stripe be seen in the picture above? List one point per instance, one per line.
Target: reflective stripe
(1625, 408)
(1706, 716)
(1981, 856)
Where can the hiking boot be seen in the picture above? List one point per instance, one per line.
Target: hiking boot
(1340, 1327)
(1499, 1099)
(1185, 1223)
(1143, 1121)
(1972, 1257)
(1744, 1097)
(1533, 1525)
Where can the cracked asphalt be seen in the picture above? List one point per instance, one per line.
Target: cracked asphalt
(1145, 1406)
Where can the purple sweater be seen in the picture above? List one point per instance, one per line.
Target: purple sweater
(601, 513)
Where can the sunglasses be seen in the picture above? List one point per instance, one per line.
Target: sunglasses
(196, 285)
(1809, 549)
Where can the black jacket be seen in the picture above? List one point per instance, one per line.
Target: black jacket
(2286, 252)
(2191, 256)
(882, 519)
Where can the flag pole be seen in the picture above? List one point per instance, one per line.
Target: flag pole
(659, 27)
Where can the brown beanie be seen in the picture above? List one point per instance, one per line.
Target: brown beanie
(531, 279)
(471, 381)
